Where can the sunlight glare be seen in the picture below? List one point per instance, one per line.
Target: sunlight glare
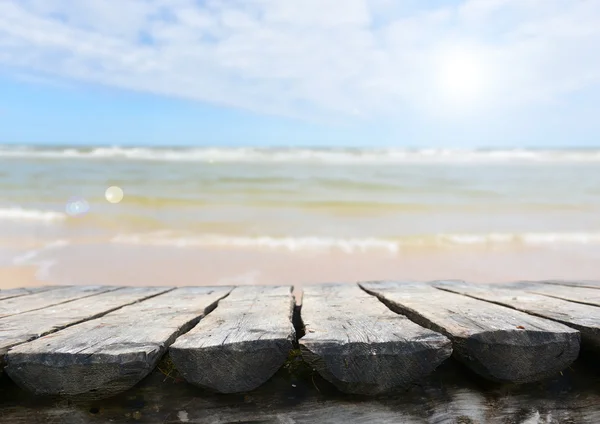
(460, 77)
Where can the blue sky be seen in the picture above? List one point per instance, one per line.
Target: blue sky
(470, 73)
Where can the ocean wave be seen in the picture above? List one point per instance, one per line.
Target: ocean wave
(18, 214)
(306, 155)
(291, 244)
(27, 257)
(529, 239)
(354, 245)
(31, 257)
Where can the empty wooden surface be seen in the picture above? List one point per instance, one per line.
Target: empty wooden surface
(584, 295)
(572, 283)
(584, 318)
(10, 293)
(242, 343)
(359, 345)
(43, 299)
(498, 343)
(110, 354)
(28, 326)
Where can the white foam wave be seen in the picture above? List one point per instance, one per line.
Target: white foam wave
(306, 155)
(354, 245)
(43, 265)
(18, 214)
(530, 239)
(291, 244)
(26, 257)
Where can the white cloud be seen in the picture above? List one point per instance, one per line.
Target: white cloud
(315, 58)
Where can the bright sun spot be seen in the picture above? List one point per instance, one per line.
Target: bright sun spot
(460, 77)
(114, 194)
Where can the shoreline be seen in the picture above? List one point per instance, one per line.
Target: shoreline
(20, 276)
(103, 264)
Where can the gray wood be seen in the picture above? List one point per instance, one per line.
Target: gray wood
(44, 299)
(361, 346)
(448, 396)
(28, 326)
(583, 295)
(110, 354)
(498, 343)
(580, 283)
(584, 318)
(10, 293)
(241, 344)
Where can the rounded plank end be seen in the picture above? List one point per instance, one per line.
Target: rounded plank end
(82, 375)
(499, 343)
(233, 367)
(518, 356)
(375, 368)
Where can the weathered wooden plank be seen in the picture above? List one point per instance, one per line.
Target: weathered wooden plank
(33, 302)
(580, 283)
(583, 295)
(28, 326)
(110, 354)
(241, 344)
(361, 346)
(584, 318)
(10, 293)
(496, 342)
(448, 396)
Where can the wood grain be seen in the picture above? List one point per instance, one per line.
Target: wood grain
(572, 283)
(46, 298)
(583, 295)
(241, 344)
(361, 346)
(584, 318)
(28, 326)
(110, 354)
(498, 343)
(448, 396)
(10, 293)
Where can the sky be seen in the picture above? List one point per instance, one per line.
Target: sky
(394, 73)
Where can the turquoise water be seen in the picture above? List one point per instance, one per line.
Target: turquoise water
(347, 201)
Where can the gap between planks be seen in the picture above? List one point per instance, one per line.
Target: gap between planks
(48, 298)
(109, 354)
(28, 326)
(241, 344)
(355, 342)
(11, 293)
(498, 343)
(583, 317)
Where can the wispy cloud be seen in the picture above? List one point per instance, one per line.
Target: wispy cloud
(36, 79)
(352, 58)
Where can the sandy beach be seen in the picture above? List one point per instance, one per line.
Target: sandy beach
(15, 277)
(295, 216)
(151, 266)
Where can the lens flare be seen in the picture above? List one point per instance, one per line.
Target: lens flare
(114, 194)
(77, 206)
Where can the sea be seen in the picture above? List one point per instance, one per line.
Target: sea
(202, 216)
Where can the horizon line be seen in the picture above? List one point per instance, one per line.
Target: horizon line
(284, 147)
